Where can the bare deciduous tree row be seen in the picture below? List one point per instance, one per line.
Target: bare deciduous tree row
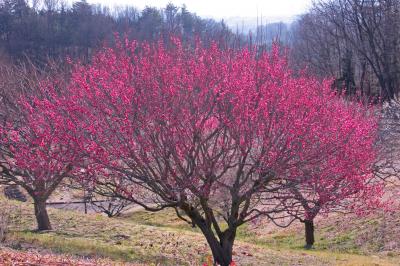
(356, 41)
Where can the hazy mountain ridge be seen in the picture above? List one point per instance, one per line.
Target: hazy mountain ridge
(246, 24)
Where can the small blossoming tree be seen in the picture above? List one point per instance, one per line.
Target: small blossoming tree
(344, 179)
(32, 154)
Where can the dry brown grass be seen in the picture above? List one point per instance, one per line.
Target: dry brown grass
(160, 238)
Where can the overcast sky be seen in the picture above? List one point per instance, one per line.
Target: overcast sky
(219, 9)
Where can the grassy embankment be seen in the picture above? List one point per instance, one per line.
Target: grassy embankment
(161, 238)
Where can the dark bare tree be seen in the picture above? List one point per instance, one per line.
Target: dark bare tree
(355, 41)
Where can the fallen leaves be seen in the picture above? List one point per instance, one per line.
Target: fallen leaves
(17, 258)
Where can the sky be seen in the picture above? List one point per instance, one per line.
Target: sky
(223, 9)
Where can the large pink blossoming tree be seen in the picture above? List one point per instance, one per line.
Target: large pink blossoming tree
(210, 132)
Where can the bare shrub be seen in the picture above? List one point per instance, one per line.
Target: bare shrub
(112, 206)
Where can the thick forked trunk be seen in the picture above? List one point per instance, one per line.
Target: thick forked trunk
(309, 230)
(221, 250)
(42, 217)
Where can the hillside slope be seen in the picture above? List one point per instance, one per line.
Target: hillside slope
(160, 238)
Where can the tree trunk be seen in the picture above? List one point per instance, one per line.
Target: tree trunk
(309, 227)
(221, 250)
(42, 218)
(220, 243)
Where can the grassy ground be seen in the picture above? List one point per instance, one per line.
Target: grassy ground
(160, 238)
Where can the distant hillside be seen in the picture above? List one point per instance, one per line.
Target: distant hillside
(246, 24)
(56, 30)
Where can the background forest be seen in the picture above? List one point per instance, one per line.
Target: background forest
(356, 42)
